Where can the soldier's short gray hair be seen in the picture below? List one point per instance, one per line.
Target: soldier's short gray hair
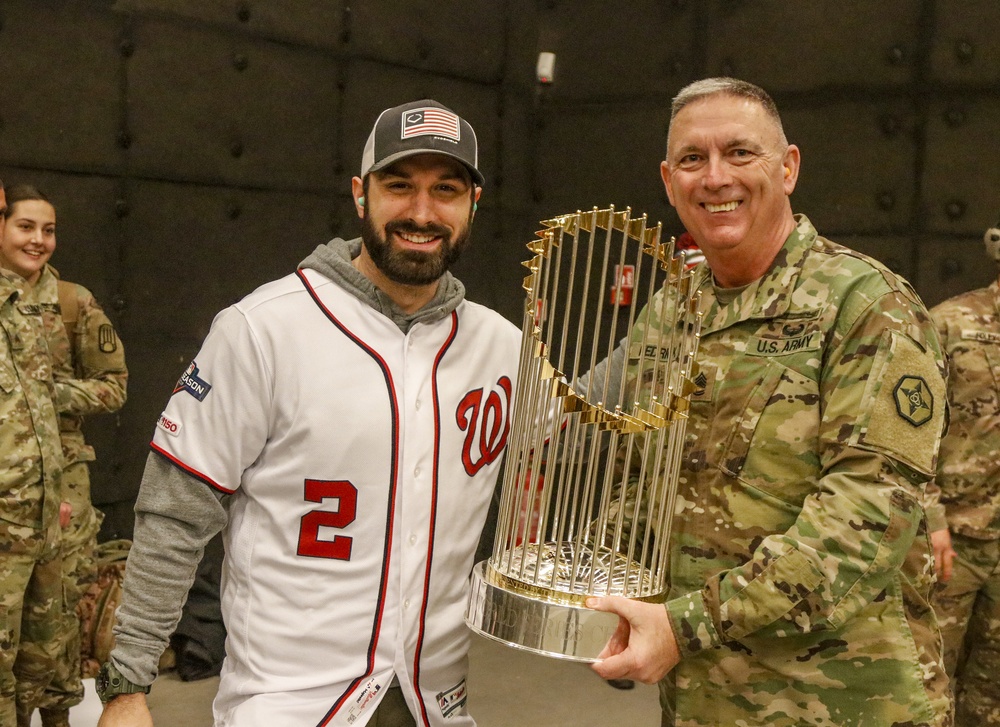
(724, 85)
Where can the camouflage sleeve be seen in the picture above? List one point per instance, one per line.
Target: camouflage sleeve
(936, 518)
(881, 389)
(100, 376)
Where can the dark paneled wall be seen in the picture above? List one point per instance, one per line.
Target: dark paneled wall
(197, 148)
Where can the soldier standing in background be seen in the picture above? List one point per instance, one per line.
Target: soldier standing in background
(968, 508)
(800, 558)
(88, 364)
(30, 467)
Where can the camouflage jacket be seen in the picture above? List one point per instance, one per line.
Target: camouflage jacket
(968, 474)
(89, 371)
(801, 565)
(30, 456)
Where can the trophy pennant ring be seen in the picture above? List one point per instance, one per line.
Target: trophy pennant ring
(595, 442)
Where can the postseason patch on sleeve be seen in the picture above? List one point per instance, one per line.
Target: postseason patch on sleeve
(192, 383)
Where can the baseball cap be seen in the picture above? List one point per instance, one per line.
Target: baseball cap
(420, 127)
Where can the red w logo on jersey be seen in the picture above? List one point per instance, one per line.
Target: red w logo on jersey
(486, 425)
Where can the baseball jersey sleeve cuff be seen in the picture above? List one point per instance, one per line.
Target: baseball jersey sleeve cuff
(693, 626)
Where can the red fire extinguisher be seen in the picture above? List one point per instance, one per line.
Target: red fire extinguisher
(622, 285)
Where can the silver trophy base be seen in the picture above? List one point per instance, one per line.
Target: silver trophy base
(562, 631)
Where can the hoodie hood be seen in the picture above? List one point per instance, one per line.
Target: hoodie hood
(333, 261)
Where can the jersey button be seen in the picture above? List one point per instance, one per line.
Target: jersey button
(417, 404)
(416, 472)
(413, 540)
(406, 603)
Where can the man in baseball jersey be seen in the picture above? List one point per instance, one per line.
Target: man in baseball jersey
(343, 426)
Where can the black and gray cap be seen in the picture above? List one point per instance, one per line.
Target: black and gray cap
(420, 127)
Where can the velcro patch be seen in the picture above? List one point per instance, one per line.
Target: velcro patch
(908, 393)
(785, 336)
(107, 341)
(651, 352)
(914, 400)
(783, 346)
(704, 380)
(981, 336)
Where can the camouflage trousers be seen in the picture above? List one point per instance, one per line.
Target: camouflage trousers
(968, 609)
(78, 571)
(30, 604)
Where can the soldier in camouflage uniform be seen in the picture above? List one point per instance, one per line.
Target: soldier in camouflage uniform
(88, 364)
(801, 563)
(30, 466)
(968, 481)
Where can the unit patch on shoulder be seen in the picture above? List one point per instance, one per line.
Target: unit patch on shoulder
(902, 410)
(107, 341)
(914, 401)
(189, 382)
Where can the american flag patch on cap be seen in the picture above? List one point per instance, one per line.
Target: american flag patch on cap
(431, 121)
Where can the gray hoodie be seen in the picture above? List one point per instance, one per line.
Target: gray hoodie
(333, 261)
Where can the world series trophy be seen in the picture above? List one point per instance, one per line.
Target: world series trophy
(574, 520)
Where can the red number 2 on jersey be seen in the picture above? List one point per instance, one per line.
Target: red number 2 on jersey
(346, 495)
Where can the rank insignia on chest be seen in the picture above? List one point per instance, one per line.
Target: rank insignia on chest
(914, 401)
(704, 380)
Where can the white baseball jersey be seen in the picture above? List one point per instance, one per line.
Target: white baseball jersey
(362, 461)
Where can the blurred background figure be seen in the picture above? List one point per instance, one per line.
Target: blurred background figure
(966, 520)
(88, 363)
(30, 468)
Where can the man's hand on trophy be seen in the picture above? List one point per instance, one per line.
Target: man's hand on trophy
(643, 646)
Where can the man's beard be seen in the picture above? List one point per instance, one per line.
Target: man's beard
(412, 267)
